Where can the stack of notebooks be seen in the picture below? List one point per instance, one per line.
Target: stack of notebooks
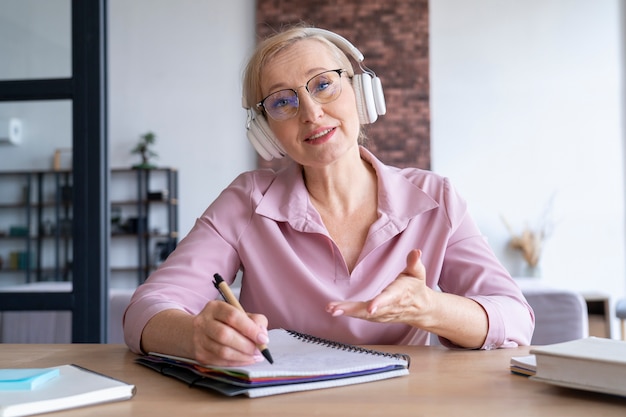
(301, 362)
(591, 364)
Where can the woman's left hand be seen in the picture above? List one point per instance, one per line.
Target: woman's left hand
(406, 300)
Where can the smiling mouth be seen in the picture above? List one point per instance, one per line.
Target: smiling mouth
(320, 134)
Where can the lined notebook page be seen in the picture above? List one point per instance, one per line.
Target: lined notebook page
(301, 355)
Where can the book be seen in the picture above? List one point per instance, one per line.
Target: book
(592, 364)
(72, 387)
(524, 365)
(25, 379)
(301, 362)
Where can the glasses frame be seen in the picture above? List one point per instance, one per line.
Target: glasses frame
(261, 104)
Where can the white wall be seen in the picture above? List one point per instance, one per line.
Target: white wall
(527, 103)
(35, 39)
(175, 69)
(35, 42)
(525, 99)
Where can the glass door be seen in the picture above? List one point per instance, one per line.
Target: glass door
(53, 182)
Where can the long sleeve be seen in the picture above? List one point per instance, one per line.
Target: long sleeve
(264, 225)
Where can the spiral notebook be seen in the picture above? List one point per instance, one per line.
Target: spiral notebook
(301, 362)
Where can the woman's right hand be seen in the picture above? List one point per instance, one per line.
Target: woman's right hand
(225, 336)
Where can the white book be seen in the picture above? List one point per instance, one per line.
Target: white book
(524, 365)
(73, 387)
(592, 364)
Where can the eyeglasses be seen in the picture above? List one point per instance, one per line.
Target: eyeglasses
(284, 104)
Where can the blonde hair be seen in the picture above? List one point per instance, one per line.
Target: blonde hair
(269, 47)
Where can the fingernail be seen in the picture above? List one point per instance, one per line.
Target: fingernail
(262, 338)
(373, 310)
(337, 313)
(258, 357)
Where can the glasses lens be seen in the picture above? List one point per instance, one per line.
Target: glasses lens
(325, 87)
(281, 105)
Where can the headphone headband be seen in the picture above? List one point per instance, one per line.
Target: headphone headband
(341, 42)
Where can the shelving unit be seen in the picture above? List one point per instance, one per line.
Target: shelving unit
(31, 243)
(599, 312)
(148, 214)
(36, 223)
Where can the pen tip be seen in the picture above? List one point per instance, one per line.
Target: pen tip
(267, 355)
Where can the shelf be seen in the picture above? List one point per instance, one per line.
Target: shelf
(171, 201)
(47, 270)
(61, 236)
(126, 269)
(148, 235)
(13, 205)
(40, 201)
(599, 313)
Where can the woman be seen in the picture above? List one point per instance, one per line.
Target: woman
(336, 245)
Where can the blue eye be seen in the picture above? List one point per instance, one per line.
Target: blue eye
(282, 103)
(283, 99)
(321, 85)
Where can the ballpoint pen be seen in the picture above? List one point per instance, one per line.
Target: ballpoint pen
(230, 298)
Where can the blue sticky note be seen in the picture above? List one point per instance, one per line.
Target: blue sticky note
(25, 379)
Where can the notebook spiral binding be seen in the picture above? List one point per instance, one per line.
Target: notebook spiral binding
(347, 347)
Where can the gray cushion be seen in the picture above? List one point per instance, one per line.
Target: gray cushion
(620, 308)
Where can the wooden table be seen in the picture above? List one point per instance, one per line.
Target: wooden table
(442, 382)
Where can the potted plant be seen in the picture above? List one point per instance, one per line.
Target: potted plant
(143, 148)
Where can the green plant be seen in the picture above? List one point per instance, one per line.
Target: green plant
(143, 148)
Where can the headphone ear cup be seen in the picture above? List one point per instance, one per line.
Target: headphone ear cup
(262, 138)
(364, 98)
(256, 143)
(379, 97)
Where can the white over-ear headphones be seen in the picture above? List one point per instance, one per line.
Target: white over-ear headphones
(367, 87)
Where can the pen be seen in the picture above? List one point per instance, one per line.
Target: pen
(230, 298)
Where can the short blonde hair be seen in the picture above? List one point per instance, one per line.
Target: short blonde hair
(268, 48)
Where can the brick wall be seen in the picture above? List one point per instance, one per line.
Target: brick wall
(393, 37)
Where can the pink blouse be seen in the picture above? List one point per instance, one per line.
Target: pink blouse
(264, 224)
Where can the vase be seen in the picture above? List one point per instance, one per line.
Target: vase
(532, 271)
